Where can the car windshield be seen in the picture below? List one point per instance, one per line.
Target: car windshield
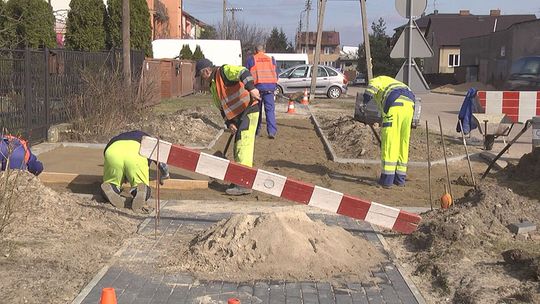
(526, 66)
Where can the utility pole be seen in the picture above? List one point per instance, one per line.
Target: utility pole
(224, 22)
(126, 58)
(315, 68)
(233, 10)
(367, 48)
(308, 8)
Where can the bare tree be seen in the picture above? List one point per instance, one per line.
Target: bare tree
(250, 35)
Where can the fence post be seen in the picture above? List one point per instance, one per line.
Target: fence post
(46, 77)
(27, 92)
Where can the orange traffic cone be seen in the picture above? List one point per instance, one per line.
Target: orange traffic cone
(233, 301)
(108, 296)
(305, 100)
(290, 108)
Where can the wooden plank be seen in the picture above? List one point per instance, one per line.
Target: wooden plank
(82, 179)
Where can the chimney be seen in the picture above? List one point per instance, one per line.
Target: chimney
(495, 12)
(464, 12)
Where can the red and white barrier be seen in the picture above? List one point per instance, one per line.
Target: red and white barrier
(280, 186)
(518, 106)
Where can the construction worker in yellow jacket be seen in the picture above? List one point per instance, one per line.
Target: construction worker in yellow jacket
(396, 105)
(234, 93)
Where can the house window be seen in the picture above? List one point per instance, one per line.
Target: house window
(327, 50)
(453, 60)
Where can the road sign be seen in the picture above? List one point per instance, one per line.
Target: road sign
(417, 83)
(418, 7)
(420, 47)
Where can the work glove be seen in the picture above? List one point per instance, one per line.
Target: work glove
(163, 172)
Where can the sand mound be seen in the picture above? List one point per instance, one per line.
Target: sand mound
(278, 246)
(55, 242)
(185, 127)
(353, 139)
(451, 248)
(528, 168)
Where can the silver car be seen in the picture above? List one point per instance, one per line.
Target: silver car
(329, 81)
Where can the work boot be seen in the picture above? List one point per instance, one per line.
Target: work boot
(237, 190)
(140, 195)
(112, 194)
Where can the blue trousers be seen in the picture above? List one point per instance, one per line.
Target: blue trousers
(269, 111)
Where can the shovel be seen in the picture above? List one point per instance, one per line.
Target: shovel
(224, 153)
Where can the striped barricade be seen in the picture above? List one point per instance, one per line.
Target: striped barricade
(280, 186)
(518, 106)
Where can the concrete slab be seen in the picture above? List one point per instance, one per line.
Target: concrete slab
(522, 228)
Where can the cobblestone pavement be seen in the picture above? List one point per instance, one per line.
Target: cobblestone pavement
(136, 279)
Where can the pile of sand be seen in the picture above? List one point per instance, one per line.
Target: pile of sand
(462, 253)
(278, 246)
(353, 139)
(528, 168)
(55, 242)
(184, 127)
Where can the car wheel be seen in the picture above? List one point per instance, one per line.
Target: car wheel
(278, 91)
(334, 92)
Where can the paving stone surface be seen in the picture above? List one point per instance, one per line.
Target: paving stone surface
(145, 284)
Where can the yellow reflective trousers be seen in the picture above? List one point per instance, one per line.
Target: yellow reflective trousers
(244, 142)
(395, 133)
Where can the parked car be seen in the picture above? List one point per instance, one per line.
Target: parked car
(330, 82)
(524, 75)
(359, 80)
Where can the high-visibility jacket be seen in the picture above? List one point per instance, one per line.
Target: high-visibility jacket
(230, 87)
(386, 90)
(16, 141)
(264, 69)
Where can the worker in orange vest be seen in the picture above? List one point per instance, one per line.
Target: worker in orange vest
(264, 71)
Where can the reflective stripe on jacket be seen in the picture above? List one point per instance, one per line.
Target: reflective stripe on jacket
(385, 90)
(233, 97)
(263, 70)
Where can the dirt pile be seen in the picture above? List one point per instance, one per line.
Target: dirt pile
(528, 168)
(468, 254)
(184, 127)
(277, 246)
(55, 242)
(353, 139)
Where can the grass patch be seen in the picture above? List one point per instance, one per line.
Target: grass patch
(169, 106)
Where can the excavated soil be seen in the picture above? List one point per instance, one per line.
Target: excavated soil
(467, 254)
(55, 242)
(352, 139)
(194, 127)
(277, 246)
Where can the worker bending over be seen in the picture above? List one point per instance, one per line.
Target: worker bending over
(396, 105)
(123, 161)
(235, 95)
(15, 154)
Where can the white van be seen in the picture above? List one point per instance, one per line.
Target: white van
(218, 51)
(287, 60)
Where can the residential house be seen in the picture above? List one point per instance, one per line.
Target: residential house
(166, 18)
(488, 58)
(192, 27)
(444, 33)
(348, 61)
(330, 50)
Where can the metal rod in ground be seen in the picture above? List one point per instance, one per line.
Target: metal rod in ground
(376, 135)
(158, 180)
(467, 153)
(445, 160)
(429, 168)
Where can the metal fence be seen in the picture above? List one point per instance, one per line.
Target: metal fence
(35, 85)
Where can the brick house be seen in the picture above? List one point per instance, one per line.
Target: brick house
(330, 50)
